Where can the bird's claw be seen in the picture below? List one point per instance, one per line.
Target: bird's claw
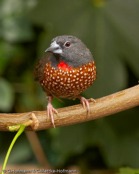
(85, 103)
(50, 110)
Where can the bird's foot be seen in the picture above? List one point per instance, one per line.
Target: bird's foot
(50, 110)
(85, 102)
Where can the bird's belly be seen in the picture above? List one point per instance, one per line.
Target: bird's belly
(68, 83)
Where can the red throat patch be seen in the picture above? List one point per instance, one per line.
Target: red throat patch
(63, 66)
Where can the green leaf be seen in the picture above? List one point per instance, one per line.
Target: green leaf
(15, 26)
(16, 29)
(6, 95)
(128, 170)
(126, 30)
(117, 137)
(73, 138)
(7, 53)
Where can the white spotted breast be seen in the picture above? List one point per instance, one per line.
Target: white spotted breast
(68, 83)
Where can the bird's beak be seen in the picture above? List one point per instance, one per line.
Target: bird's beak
(54, 48)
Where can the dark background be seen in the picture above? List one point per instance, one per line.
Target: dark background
(110, 29)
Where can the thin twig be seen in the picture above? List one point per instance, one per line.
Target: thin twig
(104, 106)
(37, 149)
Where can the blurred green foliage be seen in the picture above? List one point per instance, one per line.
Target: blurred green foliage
(127, 170)
(110, 29)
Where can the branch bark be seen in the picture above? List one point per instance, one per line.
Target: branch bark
(104, 106)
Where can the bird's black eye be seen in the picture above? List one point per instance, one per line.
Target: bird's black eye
(67, 44)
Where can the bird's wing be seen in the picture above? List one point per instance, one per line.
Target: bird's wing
(39, 69)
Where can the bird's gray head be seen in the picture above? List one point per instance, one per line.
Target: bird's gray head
(70, 50)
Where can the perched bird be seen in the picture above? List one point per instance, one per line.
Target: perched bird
(66, 71)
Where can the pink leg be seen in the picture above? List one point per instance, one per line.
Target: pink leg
(51, 109)
(85, 102)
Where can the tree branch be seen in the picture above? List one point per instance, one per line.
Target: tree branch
(104, 106)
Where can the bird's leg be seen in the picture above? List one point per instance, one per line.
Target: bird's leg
(51, 109)
(85, 102)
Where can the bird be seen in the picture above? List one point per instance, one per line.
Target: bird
(65, 71)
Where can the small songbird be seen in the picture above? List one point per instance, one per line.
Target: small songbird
(66, 71)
